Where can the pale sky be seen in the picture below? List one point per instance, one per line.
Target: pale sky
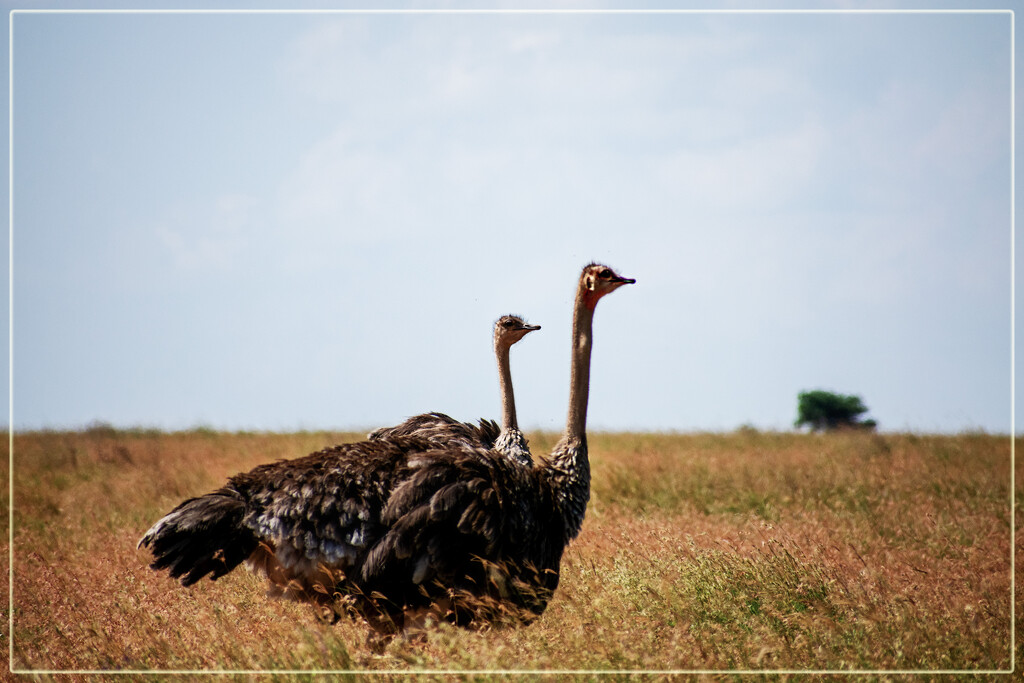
(305, 221)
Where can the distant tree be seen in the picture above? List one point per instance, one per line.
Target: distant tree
(824, 410)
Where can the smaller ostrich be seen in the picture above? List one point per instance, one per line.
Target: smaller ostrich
(441, 430)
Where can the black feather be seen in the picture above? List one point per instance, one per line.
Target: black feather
(201, 536)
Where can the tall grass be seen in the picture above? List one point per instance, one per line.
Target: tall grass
(742, 551)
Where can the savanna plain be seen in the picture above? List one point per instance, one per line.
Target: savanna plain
(749, 550)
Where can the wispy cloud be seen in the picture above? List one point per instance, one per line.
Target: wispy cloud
(209, 238)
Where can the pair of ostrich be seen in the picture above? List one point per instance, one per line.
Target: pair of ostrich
(431, 519)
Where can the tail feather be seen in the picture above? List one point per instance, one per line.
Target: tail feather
(202, 536)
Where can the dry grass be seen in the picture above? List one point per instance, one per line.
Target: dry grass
(700, 552)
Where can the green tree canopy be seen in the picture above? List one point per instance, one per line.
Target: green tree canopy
(824, 410)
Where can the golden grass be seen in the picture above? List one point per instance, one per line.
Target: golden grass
(766, 551)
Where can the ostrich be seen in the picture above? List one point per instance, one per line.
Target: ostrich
(442, 430)
(399, 530)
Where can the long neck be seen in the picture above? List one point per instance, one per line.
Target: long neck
(508, 398)
(568, 469)
(579, 381)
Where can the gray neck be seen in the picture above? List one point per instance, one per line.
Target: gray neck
(508, 398)
(569, 466)
(579, 382)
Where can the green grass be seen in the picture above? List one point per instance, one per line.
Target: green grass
(749, 550)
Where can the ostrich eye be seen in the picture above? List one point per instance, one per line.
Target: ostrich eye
(605, 273)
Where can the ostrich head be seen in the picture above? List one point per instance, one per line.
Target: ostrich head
(508, 329)
(598, 280)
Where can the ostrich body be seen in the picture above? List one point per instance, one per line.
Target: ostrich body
(442, 430)
(397, 527)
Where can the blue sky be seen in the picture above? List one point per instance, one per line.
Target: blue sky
(284, 221)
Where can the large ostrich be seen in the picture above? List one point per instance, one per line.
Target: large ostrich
(399, 528)
(442, 430)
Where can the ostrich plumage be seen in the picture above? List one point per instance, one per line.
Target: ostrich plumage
(442, 430)
(389, 528)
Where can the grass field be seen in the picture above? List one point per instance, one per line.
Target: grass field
(739, 551)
